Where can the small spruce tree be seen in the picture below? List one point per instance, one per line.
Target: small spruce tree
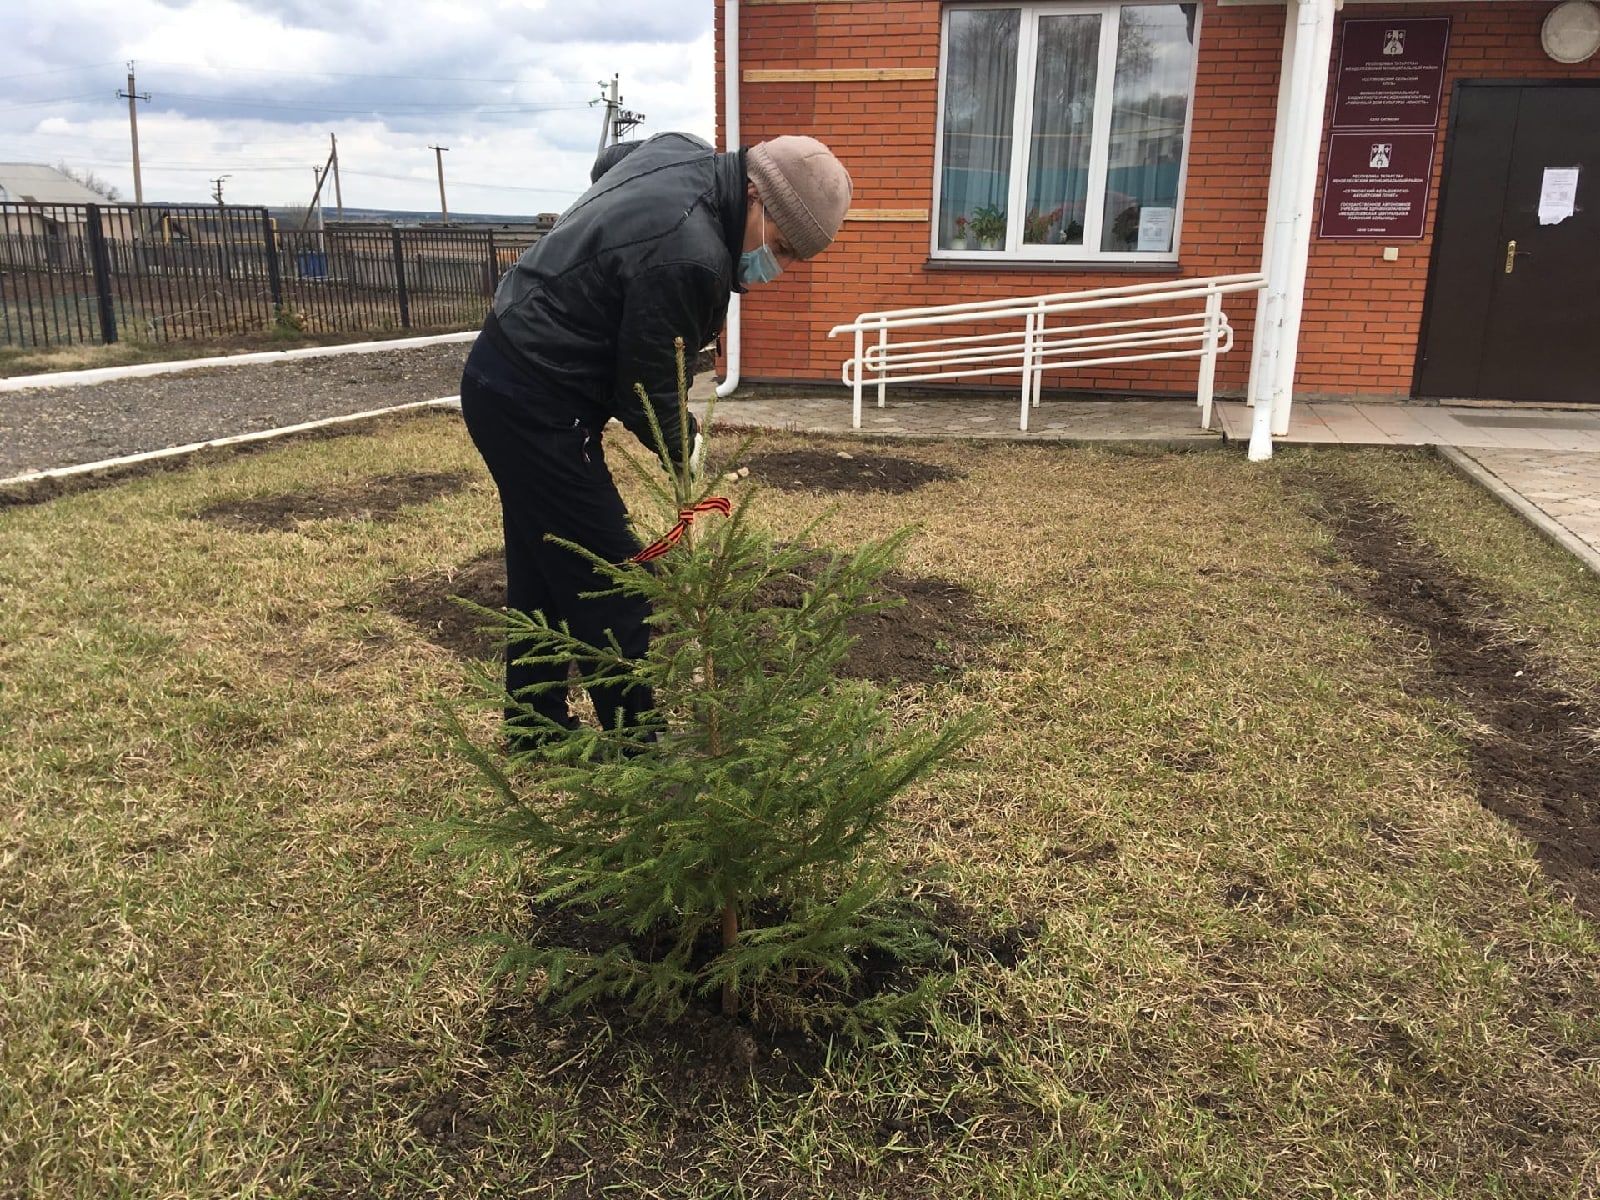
(734, 844)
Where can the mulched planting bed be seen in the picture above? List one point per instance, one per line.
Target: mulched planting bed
(1535, 758)
(379, 499)
(937, 632)
(843, 471)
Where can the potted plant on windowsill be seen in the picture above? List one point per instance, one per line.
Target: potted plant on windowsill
(1037, 226)
(963, 236)
(988, 225)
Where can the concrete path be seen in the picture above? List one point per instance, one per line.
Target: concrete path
(1557, 491)
(1339, 423)
(1544, 463)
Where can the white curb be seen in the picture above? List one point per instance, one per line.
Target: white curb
(263, 435)
(1552, 529)
(102, 374)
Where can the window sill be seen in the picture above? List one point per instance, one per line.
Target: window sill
(1054, 267)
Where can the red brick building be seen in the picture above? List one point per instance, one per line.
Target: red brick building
(1014, 147)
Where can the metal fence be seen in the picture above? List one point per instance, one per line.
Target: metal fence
(84, 273)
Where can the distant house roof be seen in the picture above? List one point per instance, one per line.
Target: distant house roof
(40, 184)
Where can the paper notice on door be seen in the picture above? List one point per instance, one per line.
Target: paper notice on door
(1558, 195)
(1155, 229)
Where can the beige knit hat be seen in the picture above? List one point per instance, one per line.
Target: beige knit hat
(804, 188)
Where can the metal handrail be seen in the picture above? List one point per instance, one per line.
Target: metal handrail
(1037, 347)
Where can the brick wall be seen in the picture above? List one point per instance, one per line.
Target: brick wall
(1362, 315)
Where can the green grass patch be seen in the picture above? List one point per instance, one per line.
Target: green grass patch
(1280, 947)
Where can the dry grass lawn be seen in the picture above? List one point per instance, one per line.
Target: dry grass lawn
(1283, 950)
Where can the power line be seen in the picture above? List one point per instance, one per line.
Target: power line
(55, 100)
(397, 107)
(497, 187)
(116, 138)
(351, 74)
(57, 71)
(244, 169)
(188, 167)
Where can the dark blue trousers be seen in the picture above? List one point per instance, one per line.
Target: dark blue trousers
(555, 481)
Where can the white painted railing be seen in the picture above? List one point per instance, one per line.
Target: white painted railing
(1200, 330)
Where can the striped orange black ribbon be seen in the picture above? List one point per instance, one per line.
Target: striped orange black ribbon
(686, 518)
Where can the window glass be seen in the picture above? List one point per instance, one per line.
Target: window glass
(1105, 140)
(980, 92)
(1063, 129)
(1149, 106)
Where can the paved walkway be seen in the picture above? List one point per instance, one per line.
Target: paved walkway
(1544, 463)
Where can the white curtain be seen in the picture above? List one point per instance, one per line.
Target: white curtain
(1063, 129)
(979, 105)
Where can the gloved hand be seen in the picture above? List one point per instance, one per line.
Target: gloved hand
(697, 456)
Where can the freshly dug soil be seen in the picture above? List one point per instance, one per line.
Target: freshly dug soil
(961, 934)
(707, 1069)
(935, 634)
(844, 471)
(429, 602)
(381, 499)
(1534, 760)
(58, 427)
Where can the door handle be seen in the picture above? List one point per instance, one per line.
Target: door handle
(1511, 256)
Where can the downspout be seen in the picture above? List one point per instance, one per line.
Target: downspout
(1289, 237)
(730, 126)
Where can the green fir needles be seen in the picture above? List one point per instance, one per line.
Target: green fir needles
(734, 845)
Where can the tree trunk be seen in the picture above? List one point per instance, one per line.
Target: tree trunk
(730, 933)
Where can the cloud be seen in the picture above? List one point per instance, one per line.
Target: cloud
(252, 90)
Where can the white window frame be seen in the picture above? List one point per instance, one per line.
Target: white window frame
(1015, 250)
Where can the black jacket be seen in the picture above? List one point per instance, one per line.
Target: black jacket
(646, 255)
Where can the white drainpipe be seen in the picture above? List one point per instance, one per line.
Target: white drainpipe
(1290, 236)
(730, 125)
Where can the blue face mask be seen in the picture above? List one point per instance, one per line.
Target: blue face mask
(759, 265)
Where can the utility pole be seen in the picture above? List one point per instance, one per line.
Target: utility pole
(320, 174)
(619, 121)
(216, 190)
(338, 192)
(622, 124)
(438, 158)
(608, 125)
(133, 96)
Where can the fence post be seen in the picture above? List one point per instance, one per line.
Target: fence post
(400, 280)
(101, 260)
(1205, 387)
(269, 233)
(1027, 369)
(492, 276)
(856, 370)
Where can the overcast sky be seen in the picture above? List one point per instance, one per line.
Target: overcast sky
(252, 88)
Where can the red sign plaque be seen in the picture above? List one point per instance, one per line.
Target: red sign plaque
(1385, 117)
(1377, 185)
(1391, 73)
